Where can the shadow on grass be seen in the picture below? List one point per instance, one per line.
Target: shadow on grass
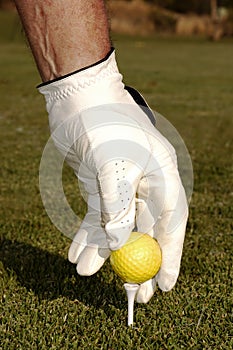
(50, 276)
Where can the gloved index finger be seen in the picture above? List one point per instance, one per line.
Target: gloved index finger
(117, 183)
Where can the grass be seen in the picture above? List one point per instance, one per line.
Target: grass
(44, 303)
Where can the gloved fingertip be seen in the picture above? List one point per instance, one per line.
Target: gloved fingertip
(74, 251)
(91, 260)
(146, 291)
(77, 246)
(117, 244)
(88, 270)
(117, 237)
(166, 281)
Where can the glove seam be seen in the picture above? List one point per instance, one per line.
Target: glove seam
(62, 95)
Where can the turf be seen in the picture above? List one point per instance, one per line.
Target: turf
(44, 303)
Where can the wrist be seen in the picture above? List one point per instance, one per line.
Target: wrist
(63, 77)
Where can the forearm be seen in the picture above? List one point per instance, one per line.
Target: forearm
(64, 35)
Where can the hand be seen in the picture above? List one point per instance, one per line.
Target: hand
(127, 170)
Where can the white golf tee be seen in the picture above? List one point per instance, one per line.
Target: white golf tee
(131, 290)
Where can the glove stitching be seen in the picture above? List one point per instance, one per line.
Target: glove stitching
(86, 83)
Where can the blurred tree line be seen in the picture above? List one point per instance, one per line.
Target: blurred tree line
(181, 6)
(195, 6)
(6, 4)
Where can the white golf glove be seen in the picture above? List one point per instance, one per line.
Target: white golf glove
(126, 169)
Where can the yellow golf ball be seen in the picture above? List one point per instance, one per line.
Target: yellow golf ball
(138, 260)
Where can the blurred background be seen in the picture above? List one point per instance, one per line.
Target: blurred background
(210, 18)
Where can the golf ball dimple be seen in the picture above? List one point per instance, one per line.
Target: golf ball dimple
(138, 260)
